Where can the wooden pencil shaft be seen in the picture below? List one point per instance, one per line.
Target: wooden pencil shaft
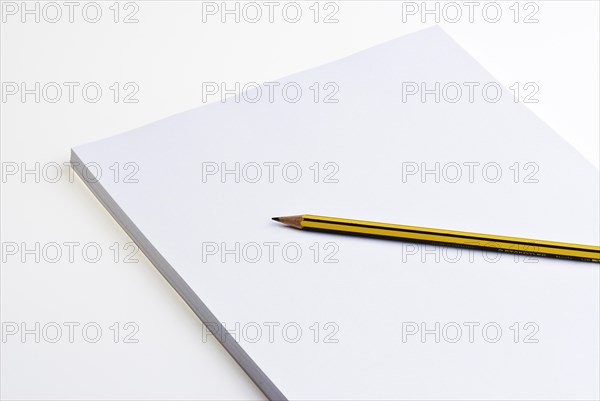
(444, 237)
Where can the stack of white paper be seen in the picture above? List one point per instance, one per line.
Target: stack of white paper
(210, 179)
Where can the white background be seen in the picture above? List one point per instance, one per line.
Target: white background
(168, 54)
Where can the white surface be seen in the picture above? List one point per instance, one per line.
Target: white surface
(369, 133)
(169, 53)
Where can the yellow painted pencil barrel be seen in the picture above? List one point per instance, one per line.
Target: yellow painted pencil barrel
(588, 253)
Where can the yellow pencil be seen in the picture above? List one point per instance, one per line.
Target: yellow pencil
(498, 243)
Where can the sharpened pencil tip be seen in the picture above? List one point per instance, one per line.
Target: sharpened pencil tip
(292, 221)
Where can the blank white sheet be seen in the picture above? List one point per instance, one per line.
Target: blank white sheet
(376, 286)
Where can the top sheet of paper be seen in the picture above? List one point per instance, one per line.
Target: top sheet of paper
(212, 177)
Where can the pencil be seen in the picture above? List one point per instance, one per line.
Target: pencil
(587, 253)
